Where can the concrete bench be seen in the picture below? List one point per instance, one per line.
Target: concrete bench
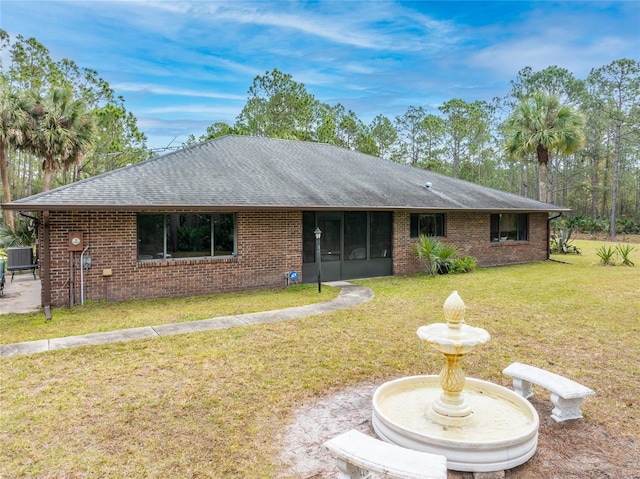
(566, 395)
(359, 455)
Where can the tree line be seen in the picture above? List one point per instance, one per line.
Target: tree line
(553, 137)
(59, 123)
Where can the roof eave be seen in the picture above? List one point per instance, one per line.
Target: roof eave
(234, 208)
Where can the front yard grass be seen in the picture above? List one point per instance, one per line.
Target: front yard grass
(212, 404)
(103, 316)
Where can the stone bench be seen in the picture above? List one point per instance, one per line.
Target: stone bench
(566, 395)
(358, 455)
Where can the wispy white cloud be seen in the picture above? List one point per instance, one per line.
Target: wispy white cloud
(169, 91)
(190, 110)
(182, 65)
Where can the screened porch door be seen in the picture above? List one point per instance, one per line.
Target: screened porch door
(354, 244)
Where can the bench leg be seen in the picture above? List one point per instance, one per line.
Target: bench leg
(566, 409)
(349, 471)
(523, 387)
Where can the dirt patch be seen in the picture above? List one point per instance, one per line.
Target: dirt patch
(575, 449)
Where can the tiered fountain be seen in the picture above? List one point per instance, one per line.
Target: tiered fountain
(479, 426)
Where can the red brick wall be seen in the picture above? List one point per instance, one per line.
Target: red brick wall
(470, 233)
(268, 245)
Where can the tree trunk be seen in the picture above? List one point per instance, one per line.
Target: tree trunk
(6, 191)
(594, 188)
(543, 176)
(614, 182)
(48, 176)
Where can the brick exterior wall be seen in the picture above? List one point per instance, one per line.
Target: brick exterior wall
(268, 245)
(470, 232)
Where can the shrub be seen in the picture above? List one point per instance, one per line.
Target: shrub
(627, 226)
(607, 255)
(466, 264)
(435, 255)
(560, 241)
(624, 251)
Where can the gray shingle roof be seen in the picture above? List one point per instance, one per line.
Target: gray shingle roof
(243, 173)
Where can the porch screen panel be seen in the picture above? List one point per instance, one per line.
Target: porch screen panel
(381, 234)
(355, 235)
(308, 237)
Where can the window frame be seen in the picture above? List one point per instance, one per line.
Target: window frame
(515, 225)
(439, 220)
(167, 222)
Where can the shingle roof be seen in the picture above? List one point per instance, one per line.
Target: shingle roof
(235, 173)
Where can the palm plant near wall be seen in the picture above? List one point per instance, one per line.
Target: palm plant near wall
(21, 234)
(435, 255)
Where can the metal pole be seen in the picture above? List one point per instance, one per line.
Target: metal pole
(318, 233)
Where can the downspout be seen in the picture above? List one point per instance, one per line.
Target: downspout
(549, 220)
(45, 269)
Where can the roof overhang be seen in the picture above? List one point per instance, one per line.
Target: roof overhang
(237, 208)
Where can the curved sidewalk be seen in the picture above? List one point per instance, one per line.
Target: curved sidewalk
(350, 295)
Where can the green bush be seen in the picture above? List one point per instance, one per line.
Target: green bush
(587, 224)
(466, 264)
(607, 254)
(627, 226)
(624, 251)
(435, 255)
(441, 258)
(24, 233)
(560, 241)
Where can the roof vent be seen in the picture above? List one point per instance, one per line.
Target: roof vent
(427, 185)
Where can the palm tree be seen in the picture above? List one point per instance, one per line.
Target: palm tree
(16, 127)
(66, 130)
(542, 125)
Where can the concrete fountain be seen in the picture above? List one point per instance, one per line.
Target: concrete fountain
(479, 426)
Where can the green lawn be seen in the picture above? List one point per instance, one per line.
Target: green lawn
(103, 316)
(212, 404)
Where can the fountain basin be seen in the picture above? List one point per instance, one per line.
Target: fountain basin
(499, 434)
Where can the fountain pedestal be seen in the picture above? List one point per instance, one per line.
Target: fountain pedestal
(479, 426)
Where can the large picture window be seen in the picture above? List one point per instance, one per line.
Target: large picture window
(509, 227)
(427, 224)
(185, 235)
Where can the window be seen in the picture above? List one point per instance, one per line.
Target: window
(427, 224)
(185, 235)
(509, 227)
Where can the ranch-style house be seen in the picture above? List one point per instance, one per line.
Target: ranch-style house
(240, 212)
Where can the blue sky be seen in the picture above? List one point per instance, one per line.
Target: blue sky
(182, 66)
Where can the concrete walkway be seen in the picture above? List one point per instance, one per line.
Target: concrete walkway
(350, 295)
